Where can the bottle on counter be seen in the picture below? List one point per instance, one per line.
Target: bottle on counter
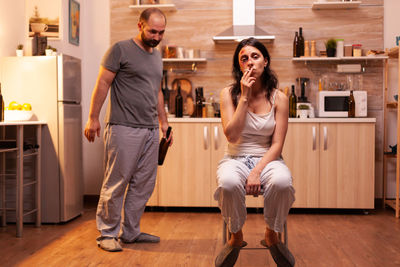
(199, 104)
(352, 106)
(203, 104)
(179, 103)
(300, 47)
(295, 44)
(210, 106)
(292, 104)
(1, 106)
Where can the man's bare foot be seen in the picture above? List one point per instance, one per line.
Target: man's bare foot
(236, 239)
(271, 237)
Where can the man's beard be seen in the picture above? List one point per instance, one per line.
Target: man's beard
(149, 42)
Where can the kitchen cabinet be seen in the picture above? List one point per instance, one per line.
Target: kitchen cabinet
(332, 164)
(387, 155)
(185, 178)
(301, 155)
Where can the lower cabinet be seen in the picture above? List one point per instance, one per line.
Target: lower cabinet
(332, 165)
(188, 173)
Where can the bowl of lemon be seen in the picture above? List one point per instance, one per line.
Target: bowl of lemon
(17, 112)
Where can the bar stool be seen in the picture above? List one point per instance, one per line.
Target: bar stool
(227, 235)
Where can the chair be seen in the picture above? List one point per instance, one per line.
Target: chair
(226, 234)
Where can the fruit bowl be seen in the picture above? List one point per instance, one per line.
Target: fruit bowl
(18, 115)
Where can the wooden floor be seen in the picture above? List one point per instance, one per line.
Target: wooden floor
(193, 238)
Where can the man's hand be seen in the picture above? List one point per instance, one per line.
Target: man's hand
(92, 129)
(164, 129)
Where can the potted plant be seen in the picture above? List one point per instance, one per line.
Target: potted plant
(49, 50)
(54, 51)
(303, 111)
(20, 50)
(330, 47)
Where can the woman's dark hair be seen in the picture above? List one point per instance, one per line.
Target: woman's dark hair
(269, 80)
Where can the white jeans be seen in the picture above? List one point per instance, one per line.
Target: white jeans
(276, 180)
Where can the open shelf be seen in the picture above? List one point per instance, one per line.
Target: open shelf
(336, 5)
(163, 7)
(339, 58)
(184, 59)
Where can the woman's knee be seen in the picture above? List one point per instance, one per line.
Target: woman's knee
(230, 184)
(281, 182)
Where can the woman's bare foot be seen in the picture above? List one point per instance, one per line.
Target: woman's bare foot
(236, 239)
(271, 237)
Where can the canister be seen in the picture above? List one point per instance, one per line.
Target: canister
(339, 47)
(357, 50)
(348, 50)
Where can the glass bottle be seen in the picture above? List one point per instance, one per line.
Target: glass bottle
(295, 44)
(210, 106)
(1, 106)
(292, 104)
(300, 47)
(179, 103)
(199, 104)
(352, 106)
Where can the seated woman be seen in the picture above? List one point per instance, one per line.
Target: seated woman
(255, 121)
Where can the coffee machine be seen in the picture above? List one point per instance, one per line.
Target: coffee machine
(302, 100)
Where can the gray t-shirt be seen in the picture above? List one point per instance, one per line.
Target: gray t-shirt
(134, 91)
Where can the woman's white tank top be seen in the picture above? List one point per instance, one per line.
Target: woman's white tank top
(256, 135)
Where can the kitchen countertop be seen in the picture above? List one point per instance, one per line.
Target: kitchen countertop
(290, 120)
(5, 123)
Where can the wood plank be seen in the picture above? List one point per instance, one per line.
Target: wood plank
(194, 238)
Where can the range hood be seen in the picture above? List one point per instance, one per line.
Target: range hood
(243, 24)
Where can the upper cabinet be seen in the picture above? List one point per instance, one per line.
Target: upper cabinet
(336, 5)
(163, 7)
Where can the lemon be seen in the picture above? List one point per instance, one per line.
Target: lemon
(14, 106)
(26, 106)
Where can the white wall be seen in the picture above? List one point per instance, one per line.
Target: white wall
(94, 40)
(96, 33)
(391, 30)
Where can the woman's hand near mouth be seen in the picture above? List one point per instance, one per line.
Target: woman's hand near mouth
(247, 82)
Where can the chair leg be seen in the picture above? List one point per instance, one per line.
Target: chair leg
(223, 232)
(285, 235)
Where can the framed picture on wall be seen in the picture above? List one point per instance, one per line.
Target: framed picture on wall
(43, 18)
(73, 18)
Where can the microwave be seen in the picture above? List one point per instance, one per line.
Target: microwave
(335, 103)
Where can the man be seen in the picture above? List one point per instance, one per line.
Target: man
(133, 69)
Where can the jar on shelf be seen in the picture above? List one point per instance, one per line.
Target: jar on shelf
(340, 48)
(357, 50)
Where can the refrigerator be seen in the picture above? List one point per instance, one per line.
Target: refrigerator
(52, 85)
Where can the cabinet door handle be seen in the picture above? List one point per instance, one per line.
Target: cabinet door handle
(325, 138)
(314, 138)
(216, 144)
(205, 137)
